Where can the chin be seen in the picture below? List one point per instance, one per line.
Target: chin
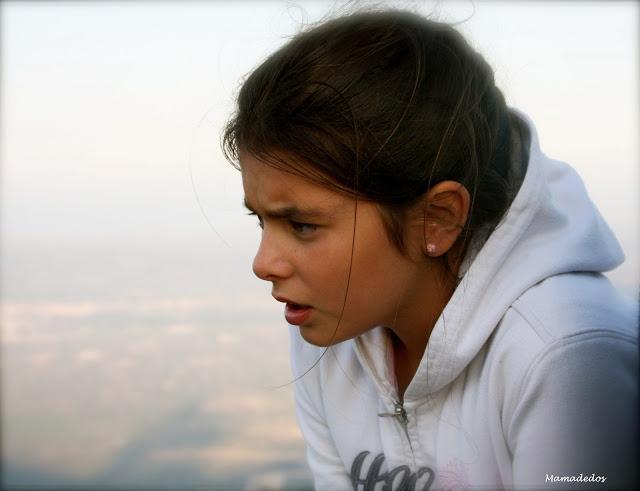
(320, 338)
(314, 337)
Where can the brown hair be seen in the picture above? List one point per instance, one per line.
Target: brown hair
(381, 105)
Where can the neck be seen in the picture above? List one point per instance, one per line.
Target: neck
(415, 321)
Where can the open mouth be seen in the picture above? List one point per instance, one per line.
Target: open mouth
(297, 314)
(296, 306)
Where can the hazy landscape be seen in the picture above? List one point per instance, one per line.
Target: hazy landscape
(143, 369)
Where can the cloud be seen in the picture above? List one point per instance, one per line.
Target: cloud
(89, 356)
(41, 358)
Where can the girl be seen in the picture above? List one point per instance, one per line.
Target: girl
(450, 271)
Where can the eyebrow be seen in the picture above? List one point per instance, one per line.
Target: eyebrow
(288, 211)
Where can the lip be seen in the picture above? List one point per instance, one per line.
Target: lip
(296, 316)
(289, 300)
(293, 315)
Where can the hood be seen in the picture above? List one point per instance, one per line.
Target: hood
(551, 227)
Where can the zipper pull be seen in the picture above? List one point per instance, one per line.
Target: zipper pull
(399, 413)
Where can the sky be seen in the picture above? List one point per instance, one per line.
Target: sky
(111, 112)
(126, 285)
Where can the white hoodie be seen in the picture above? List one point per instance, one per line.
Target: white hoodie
(529, 379)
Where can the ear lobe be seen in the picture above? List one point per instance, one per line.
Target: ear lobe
(438, 238)
(445, 213)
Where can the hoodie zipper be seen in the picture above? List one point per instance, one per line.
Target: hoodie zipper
(401, 415)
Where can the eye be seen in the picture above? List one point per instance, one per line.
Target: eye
(260, 224)
(303, 228)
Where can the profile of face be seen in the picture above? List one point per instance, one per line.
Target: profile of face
(308, 235)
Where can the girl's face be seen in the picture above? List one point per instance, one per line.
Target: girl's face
(306, 250)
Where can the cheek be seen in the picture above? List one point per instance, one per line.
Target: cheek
(377, 279)
(325, 269)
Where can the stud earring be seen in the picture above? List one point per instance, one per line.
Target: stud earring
(431, 248)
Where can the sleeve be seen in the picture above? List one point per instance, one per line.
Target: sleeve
(576, 420)
(327, 468)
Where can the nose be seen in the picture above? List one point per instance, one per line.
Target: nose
(270, 262)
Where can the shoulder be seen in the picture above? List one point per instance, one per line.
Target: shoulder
(571, 332)
(565, 309)
(569, 353)
(572, 303)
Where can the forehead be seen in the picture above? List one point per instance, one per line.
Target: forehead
(265, 185)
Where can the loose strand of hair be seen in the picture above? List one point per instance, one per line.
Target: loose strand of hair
(353, 242)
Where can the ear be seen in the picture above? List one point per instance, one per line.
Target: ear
(445, 211)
